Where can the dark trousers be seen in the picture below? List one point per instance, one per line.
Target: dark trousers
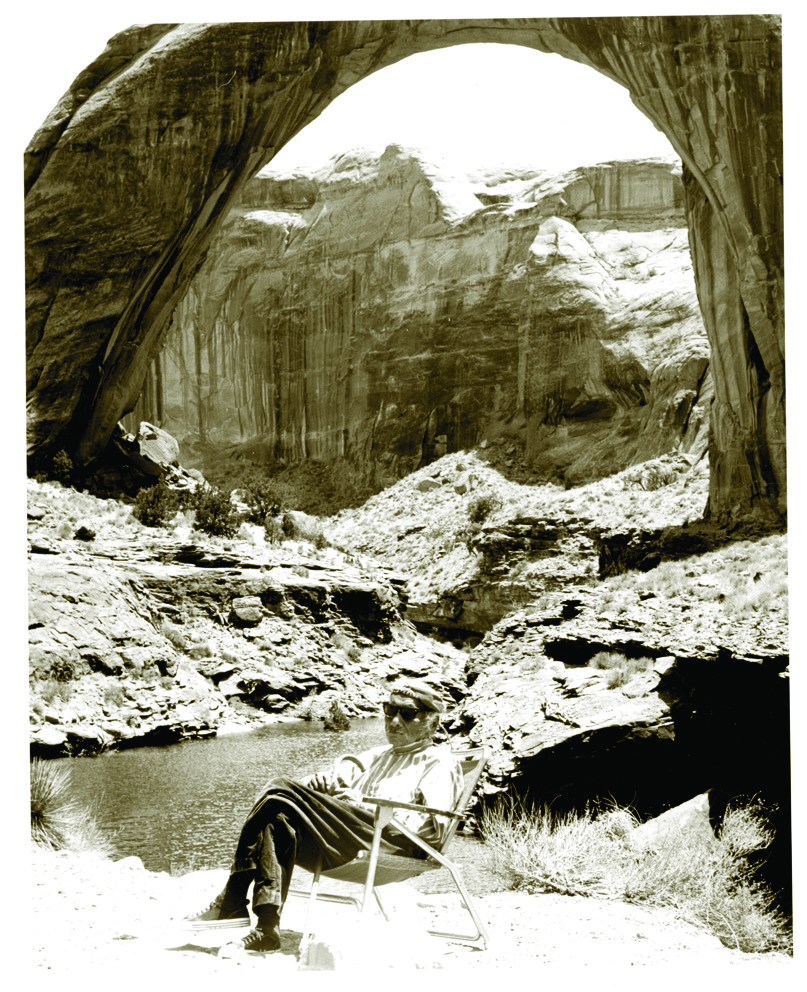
(293, 825)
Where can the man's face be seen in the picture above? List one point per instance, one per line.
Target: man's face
(400, 731)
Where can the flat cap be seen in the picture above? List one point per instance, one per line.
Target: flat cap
(427, 696)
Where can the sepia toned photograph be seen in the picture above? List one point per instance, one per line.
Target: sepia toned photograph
(407, 538)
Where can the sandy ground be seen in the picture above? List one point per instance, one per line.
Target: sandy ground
(120, 926)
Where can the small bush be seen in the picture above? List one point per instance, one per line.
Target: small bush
(59, 822)
(62, 467)
(616, 677)
(481, 507)
(62, 670)
(263, 500)
(273, 526)
(215, 513)
(289, 526)
(336, 718)
(113, 694)
(620, 668)
(301, 530)
(657, 478)
(155, 505)
(54, 689)
(706, 881)
(173, 634)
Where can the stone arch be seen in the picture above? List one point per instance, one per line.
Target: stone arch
(127, 180)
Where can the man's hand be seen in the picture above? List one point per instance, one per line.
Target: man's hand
(322, 782)
(347, 795)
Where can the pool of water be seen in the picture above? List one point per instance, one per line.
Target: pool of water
(182, 806)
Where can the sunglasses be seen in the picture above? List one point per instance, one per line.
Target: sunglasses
(407, 713)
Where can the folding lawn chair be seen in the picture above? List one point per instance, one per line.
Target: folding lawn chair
(373, 869)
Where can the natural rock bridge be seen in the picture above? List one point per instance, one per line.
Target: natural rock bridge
(129, 177)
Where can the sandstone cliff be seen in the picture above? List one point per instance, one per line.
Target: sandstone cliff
(386, 312)
(136, 167)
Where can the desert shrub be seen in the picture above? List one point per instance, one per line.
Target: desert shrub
(620, 668)
(481, 507)
(758, 593)
(52, 689)
(468, 533)
(62, 670)
(155, 505)
(344, 643)
(288, 525)
(616, 677)
(262, 498)
(273, 527)
(299, 530)
(706, 881)
(113, 694)
(173, 634)
(336, 718)
(655, 477)
(62, 467)
(215, 513)
(58, 821)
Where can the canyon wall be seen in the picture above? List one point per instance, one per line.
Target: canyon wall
(385, 311)
(132, 173)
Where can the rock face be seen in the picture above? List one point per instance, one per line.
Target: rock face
(384, 312)
(134, 170)
(152, 641)
(683, 715)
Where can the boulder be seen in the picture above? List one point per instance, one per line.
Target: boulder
(47, 736)
(690, 818)
(247, 611)
(428, 485)
(150, 450)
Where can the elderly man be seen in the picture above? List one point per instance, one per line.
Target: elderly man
(323, 819)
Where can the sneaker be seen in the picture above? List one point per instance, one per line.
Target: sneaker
(212, 914)
(255, 940)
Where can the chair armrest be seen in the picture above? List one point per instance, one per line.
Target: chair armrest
(349, 758)
(395, 804)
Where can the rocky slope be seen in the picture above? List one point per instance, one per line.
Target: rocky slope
(143, 637)
(595, 682)
(140, 637)
(385, 312)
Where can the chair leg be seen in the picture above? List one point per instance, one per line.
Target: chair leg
(381, 906)
(382, 818)
(481, 934)
(312, 898)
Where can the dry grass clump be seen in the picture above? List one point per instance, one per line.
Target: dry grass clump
(59, 822)
(706, 882)
(620, 668)
(742, 579)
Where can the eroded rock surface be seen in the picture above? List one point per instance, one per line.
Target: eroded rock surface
(133, 172)
(155, 640)
(386, 312)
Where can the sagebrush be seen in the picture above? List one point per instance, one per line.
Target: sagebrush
(706, 882)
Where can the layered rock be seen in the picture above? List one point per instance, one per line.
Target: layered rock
(134, 170)
(385, 312)
(153, 641)
(678, 712)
